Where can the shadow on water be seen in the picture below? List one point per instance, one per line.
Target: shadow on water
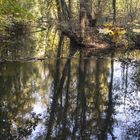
(73, 98)
(30, 45)
(79, 112)
(18, 46)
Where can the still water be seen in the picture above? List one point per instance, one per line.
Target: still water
(78, 98)
(69, 98)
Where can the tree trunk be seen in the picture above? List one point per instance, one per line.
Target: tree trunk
(138, 40)
(82, 19)
(114, 10)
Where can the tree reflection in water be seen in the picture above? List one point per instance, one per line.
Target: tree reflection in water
(85, 109)
(80, 98)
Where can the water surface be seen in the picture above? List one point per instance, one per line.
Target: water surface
(72, 94)
(77, 98)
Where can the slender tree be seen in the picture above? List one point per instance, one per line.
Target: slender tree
(114, 10)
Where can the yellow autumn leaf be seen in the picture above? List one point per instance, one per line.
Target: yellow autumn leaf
(105, 31)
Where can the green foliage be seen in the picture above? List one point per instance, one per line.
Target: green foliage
(13, 8)
(13, 11)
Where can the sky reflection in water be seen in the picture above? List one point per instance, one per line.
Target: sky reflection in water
(91, 99)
